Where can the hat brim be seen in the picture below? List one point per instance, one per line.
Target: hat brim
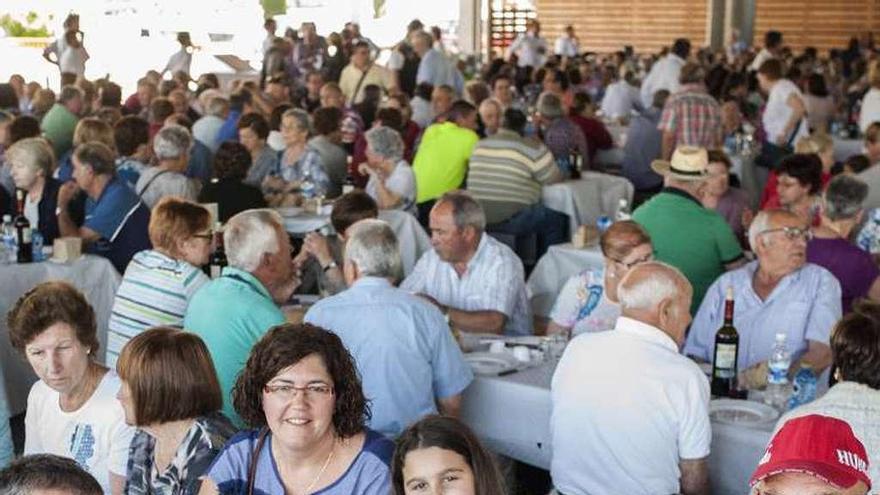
(664, 168)
(831, 474)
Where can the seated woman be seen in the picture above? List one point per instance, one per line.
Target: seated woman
(439, 454)
(301, 392)
(230, 189)
(32, 161)
(300, 171)
(87, 130)
(159, 283)
(588, 301)
(171, 394)
(820, 145)
(392, 182)
(855, 398)
(72, 411)
(800, 186)
(730, 202)
(253, 130)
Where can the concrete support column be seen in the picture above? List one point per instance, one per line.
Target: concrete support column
(470, 26)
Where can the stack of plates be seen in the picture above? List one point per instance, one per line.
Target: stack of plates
(741, 412)
(289, 211)
(491, 364)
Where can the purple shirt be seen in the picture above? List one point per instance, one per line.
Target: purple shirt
(853, 268)
(731, 206)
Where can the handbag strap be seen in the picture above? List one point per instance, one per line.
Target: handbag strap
(252, 468)
(360, 82)
(794, 133)
(150, 182)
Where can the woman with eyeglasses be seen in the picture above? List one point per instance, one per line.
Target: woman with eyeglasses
(159, 283)
(301, 393)
(588, 301)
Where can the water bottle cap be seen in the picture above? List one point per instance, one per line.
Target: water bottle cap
(7, 218)
(780, 337)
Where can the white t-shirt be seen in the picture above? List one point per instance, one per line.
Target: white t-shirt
(72, 60)
(664, 75)
(179, 62)
(583, 304)
(32, 211)
(95, 436)
(401, 182)
(627, 408)
(777, 112)
(620, 100)
(870, 111)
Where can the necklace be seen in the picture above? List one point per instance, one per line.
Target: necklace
(308, 489)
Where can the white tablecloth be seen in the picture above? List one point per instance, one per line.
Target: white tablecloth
(93, 275)
(845, 148)
(588, 198)
(553, 270)
(410, 234)
(511, 414)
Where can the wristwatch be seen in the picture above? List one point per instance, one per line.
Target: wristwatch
(329, 266)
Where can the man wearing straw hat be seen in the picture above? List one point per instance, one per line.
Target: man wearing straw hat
(688, 236)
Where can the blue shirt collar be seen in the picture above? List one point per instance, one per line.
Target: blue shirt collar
(370, 281)
(241, 276)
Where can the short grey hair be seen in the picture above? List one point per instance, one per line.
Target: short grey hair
(647, 292)
(69, 93)
(466, 211)
(301, 117)
(251, 234)
(372, 246)
(844, 197)
(760, 224)
(35, 153)
(171, 142)
(217, 106)
(385, 142)
(550, 106)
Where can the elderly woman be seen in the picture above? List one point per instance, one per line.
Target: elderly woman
(159, 283)
(32, 161)
(229, 189)
(588, 301)
(830, 247)
(301, 392)
(299, 165)
(428, 453)
(392, 183)
(72, 410)
(730, 202)
(171, 394)
(253, 131)
(855, 398)
(171, 146)
(87, 130)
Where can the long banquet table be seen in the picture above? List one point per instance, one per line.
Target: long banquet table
(511, 414)
(93, 275)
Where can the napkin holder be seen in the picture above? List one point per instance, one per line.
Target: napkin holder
(67, 249)
(585, 236)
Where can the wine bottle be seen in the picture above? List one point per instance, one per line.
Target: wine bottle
(23, 232)
(217, 261)
(726, 353)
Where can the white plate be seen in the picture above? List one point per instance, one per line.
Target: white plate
(487, 363)
(741, 412)
(289, 211)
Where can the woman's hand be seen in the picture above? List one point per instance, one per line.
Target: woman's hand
(66, 193)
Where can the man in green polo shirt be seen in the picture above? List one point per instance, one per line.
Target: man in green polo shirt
(688, 236)
(60, 121)
(441, 162)
(232, 312)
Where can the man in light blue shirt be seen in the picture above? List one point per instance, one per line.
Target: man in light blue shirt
(409, 362)
(778, 293)
(434, 68)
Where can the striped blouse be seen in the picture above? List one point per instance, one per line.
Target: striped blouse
(155, 290)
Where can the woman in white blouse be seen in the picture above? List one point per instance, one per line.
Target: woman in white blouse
(588, 301)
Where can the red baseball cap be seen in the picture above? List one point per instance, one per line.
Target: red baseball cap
(822, 446)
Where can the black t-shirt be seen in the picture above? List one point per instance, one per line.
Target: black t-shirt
(232, 197)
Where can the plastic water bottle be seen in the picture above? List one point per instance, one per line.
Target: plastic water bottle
(776, 394)
(7, 236)
(622, 212)
(37, 245)
(602, 223)
(804, 387)
(306, 186)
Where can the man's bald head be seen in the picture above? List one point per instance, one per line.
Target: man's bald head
(659, 295)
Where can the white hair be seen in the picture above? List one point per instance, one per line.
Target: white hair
(373, 248)
(760, 224)
(171, 142)
(646, 292)
(249, 235)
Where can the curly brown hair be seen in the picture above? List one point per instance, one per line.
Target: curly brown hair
(284, 346)
(47, 304)
(855, 344)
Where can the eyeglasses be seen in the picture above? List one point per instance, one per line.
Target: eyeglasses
(644, 259)
(209, 235)
(791, 233)
(288, 392)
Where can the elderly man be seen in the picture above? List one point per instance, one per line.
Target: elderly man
(691, 116)
(490, 117)
(474, 279)
(561, 135)
(506, 174)
(207, 128)
(231, 313)
(630, 413)
(409, 361)
(694, 239)
(665, 73)
(116, 220)
(362, 71)
(434, 68)
(60, 121)
(171, 147)
(442, 98)
(778, 292)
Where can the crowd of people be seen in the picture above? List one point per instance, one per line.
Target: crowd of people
(207, 388)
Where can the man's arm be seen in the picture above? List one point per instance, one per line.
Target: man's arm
(66, 226)
(694, 476)
(667, 144)
(450, 406)
(818, 355)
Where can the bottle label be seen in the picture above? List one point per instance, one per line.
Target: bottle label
(26, 236)
(777, 372)
(725, 360)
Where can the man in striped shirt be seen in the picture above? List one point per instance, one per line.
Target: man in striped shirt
(506, 175)
(691, 116)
